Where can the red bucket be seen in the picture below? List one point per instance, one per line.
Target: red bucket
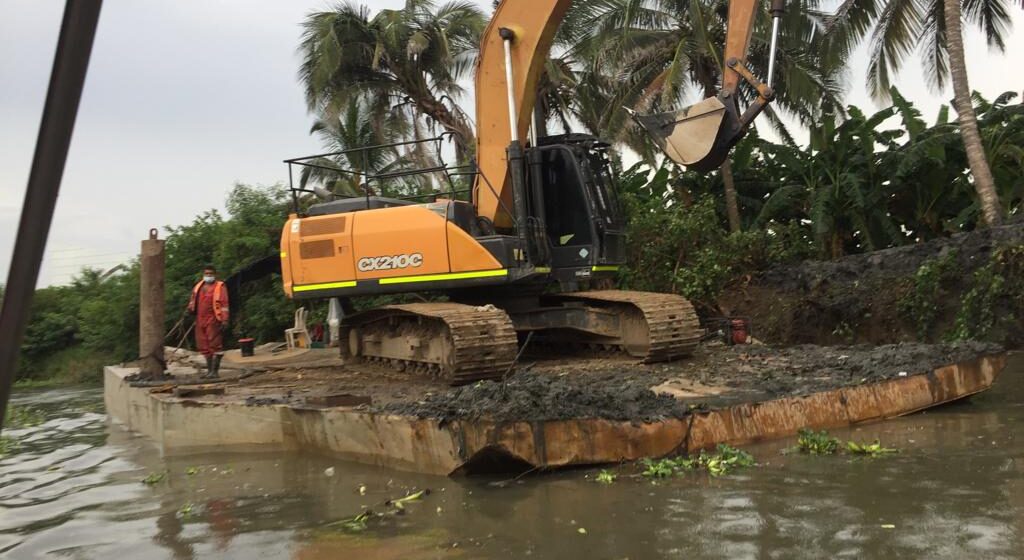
(740, 331)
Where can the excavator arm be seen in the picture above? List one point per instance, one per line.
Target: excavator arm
(514, 50)
(701, 136)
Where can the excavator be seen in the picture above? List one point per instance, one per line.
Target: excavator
(536, 248)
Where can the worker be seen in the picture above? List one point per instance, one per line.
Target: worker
(209, 303)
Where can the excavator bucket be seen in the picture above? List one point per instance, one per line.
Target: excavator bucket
(699, 136)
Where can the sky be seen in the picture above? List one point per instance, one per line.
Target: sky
(184, 99)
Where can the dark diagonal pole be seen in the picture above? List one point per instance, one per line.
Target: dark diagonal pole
(66, 80)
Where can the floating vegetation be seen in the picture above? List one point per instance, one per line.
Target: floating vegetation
(8, 445)
(353, 524)
(664, 468)
(186, 510)
(821, 443)
(154, 478)
(873, 449)
(192, 471)
(816, 443)
(400, 503)
(361, 521)
(23, 417)
(606, 477)
(724, 460)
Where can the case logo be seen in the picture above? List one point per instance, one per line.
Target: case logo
(396, 262)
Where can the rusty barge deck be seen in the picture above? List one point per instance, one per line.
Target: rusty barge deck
(406, 428)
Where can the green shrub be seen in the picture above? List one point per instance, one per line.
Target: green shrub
(921, 303)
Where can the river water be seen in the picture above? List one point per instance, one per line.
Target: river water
(72, 489)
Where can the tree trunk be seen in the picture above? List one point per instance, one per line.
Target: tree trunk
(732, 208)
(464, 138)
(984, 184)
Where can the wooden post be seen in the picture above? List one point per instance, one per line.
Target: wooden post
(151, 307)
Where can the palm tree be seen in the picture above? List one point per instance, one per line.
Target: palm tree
(354, 133)
(661, 52)
(358, 126)
(413, 56)
(933, 27)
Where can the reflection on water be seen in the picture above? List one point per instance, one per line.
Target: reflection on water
(73, 489)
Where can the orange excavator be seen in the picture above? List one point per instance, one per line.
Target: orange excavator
(535, 249)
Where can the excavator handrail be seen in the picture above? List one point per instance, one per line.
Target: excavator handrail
(464, 170)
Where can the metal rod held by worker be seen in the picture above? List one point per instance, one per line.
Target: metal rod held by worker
(778, 8)
(151, 307)
(74, 45)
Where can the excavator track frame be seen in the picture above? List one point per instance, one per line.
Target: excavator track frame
(453, 342)
(654, 327)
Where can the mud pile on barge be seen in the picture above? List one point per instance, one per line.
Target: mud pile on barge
(617, 390)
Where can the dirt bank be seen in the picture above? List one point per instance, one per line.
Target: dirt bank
(621, 390)
(871, 297)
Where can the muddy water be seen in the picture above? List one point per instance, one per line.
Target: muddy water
(72, 490)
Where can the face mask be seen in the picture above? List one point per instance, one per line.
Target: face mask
(208, 278)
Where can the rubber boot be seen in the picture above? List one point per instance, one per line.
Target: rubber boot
(216, 365)
(209, 367)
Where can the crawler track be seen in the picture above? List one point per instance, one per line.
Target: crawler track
(449, 341)
(656, 327)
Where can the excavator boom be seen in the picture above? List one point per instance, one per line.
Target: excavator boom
(699, 136)
(533, 25)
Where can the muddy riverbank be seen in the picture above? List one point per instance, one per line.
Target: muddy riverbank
(964, 285)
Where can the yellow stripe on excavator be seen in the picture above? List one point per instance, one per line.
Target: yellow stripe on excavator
(604, 269)
(407, 279)
(327, 286)
(442, 277)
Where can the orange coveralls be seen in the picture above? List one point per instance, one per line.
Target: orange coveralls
(210, 305)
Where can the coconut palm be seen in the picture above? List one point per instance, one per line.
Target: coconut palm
(662, 53)
(896, 28)
(414, 56)
(356, 127)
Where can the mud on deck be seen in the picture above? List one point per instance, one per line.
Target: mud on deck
(612, 388)
(556, 411)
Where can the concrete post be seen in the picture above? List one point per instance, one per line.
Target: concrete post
(151, 306)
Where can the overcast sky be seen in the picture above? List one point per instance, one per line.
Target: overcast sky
(183, 99)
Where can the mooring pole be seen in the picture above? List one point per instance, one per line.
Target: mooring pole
(151, 307)
(74, 44)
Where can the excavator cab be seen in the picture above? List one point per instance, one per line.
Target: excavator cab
(583, 222)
